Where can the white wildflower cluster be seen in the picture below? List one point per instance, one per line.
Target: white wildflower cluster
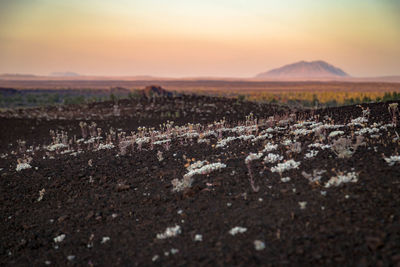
(93, 140)
(350, 177)
(198, 164)
(23, 166)
(142, 140)
(56, 147)
(272, 158)
(160, 142)
(191, 135)
(237, 230)
(392, 160)
(170, 232)
(335, 133)
(287, 142)
(311, 154)
(243, 129)
(206, 169)
(262, 137)
(301, 132)
(224, 142)
(105, 146)
(367, 130)
(358, 121)
(270, 147)
(253, 156)
(319, 145)
(199, 167)
(315, 176)
(285, 166)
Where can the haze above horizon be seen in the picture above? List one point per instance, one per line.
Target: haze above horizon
(177, 38)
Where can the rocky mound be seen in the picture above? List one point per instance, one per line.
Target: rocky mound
(155, 91)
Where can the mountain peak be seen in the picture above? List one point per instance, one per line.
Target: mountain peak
(305, 69)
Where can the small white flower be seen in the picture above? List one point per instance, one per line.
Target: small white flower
(59, 238)
(303, 205)
(198, 238)
(285, 179)
(105, 239)
(237, 230)
(174, 251)
(392, 160)
(155, 258)
(71, 257)
(170, 232)
(259, 245)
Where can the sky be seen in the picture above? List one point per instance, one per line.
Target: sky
(186, 38)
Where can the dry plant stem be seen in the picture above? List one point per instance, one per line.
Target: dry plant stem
(251, 179)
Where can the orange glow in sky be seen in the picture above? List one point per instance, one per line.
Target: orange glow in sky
(180, 38)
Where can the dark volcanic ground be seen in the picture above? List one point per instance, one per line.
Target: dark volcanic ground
(102, 206)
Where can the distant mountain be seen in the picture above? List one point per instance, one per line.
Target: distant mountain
(304, 69)
(64, 74)
(16, 75)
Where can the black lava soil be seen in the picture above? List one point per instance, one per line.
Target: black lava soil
(110, 207)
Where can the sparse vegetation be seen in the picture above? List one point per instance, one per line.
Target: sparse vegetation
(225, 171)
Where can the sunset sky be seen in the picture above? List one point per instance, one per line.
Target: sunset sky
(180, 38)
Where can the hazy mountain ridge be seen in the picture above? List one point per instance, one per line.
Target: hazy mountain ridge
(65, 74)
(304, 69)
